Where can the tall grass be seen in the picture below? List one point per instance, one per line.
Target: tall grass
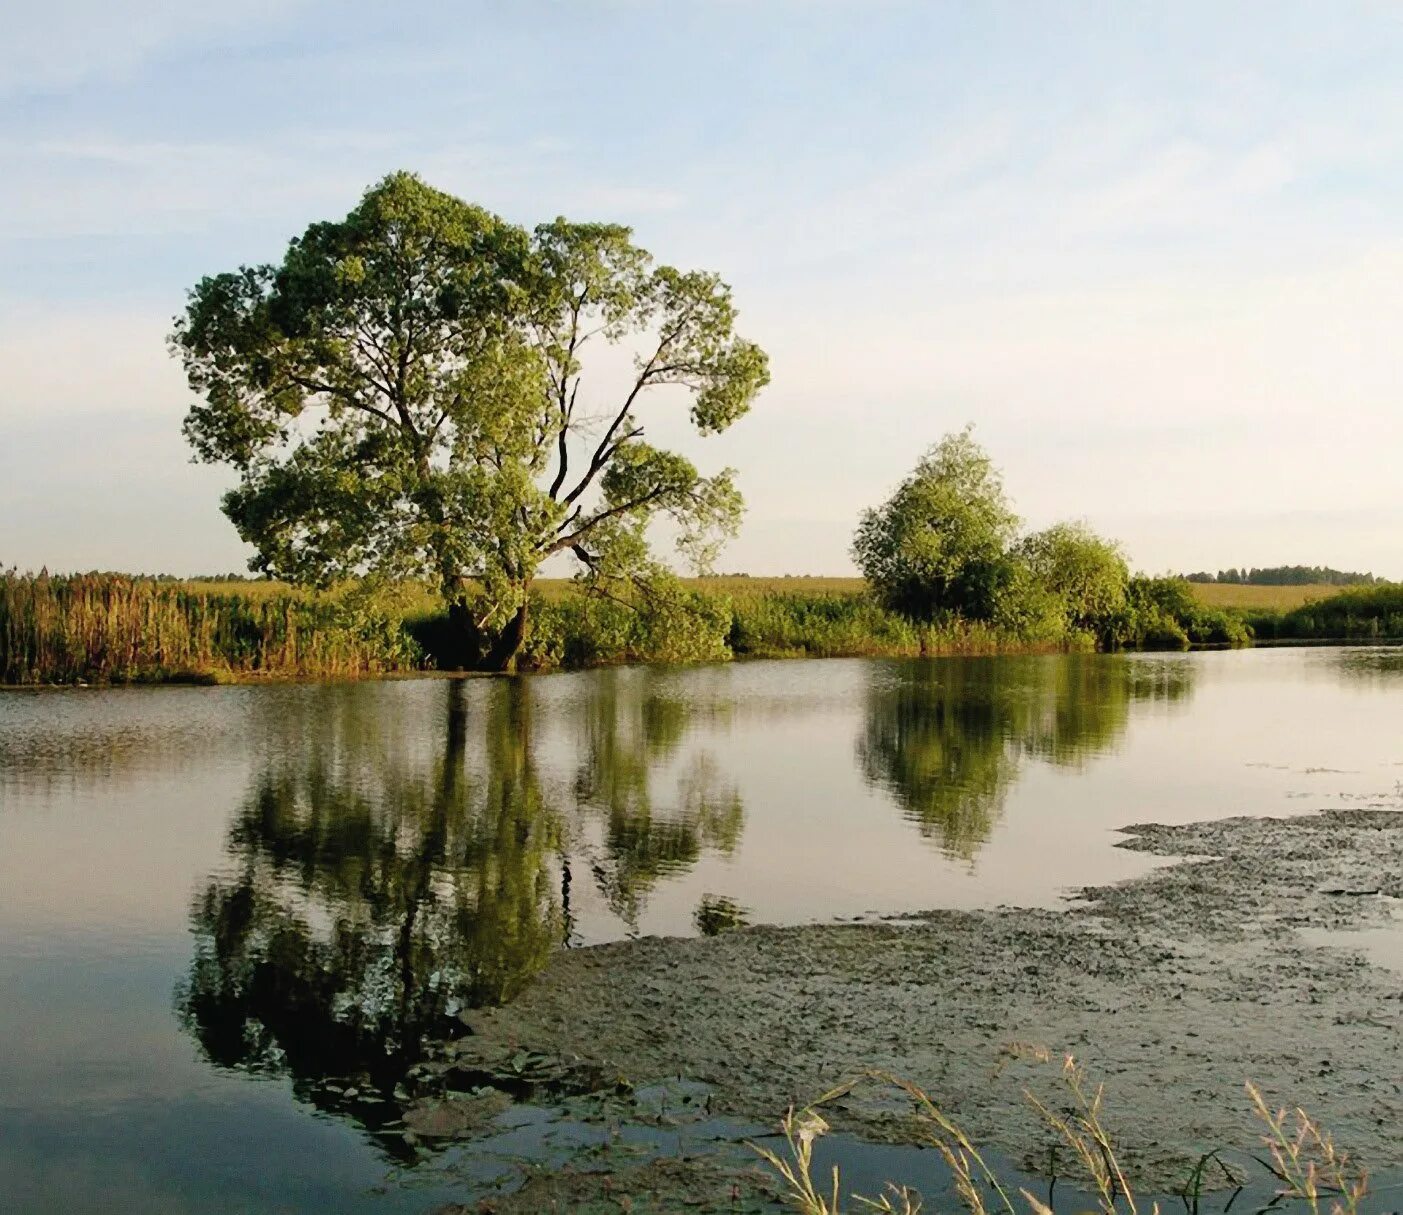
(111, 628)
(115, 628)
(1305, 1163)
(841, 624)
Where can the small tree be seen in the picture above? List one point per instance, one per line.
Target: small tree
(939, 543)
(402, 395)
(1087, 573)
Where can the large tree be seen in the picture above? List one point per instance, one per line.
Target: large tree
(404, 394)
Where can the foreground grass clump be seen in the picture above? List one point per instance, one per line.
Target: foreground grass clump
(1305, 1162)
(106, 628)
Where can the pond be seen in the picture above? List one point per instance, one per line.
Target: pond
(217, 903)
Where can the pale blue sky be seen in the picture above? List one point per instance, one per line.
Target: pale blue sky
(1153, 251)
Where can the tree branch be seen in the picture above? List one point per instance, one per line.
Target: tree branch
(567, 412)
(344, 394)
(613, 512)
(651, 369)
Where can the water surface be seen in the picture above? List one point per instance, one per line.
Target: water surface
(218, 903)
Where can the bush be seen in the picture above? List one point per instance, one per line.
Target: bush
(1370, 613)
(938, 543)
(1163, 613)
(944, 547)
(1085, 572)
(591, 630)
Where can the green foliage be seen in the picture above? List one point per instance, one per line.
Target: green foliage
(943, 550)
(1369, 613)
(665, 624)
(112, 628)
(399, 396)
(1087, 574)
(834, 625)
(944, 547)
(1163, 613)
(939, 543)
(823, 625)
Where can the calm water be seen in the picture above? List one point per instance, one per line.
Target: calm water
(216, 902)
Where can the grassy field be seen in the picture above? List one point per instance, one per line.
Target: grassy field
(1270, 598)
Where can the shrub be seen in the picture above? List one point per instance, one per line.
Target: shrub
(1163, 613)
(937, 544)
(1363, 613)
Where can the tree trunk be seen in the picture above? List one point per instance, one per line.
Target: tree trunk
(502, 656)
(460, 647)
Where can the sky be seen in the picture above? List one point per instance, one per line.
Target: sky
(1153, 252)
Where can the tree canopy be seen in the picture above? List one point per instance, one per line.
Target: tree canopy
(947, 543)
(405, 394)
(1087, 573)
(938, 541)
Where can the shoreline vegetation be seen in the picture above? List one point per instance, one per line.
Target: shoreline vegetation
(113, 629)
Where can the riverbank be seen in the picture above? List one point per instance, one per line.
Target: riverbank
(1173, 988)
(114, 629)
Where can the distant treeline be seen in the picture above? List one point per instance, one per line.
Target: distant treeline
(1287, 575)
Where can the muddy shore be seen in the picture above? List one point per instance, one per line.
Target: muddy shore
(1172, 988)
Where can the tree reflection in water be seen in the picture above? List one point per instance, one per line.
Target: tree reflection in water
(372, 897)
(628, 734)
(379, 885)
(945, 738)
(366, 909)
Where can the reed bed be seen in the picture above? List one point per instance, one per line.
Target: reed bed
(847, 624)
(111, 628)
(105, 628)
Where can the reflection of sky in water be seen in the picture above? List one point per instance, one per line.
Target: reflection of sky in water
(1382, 944)
(423, 841)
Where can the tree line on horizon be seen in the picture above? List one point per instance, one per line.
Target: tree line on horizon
(1286, 575)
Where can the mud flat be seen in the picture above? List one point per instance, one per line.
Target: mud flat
(1173, 988)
